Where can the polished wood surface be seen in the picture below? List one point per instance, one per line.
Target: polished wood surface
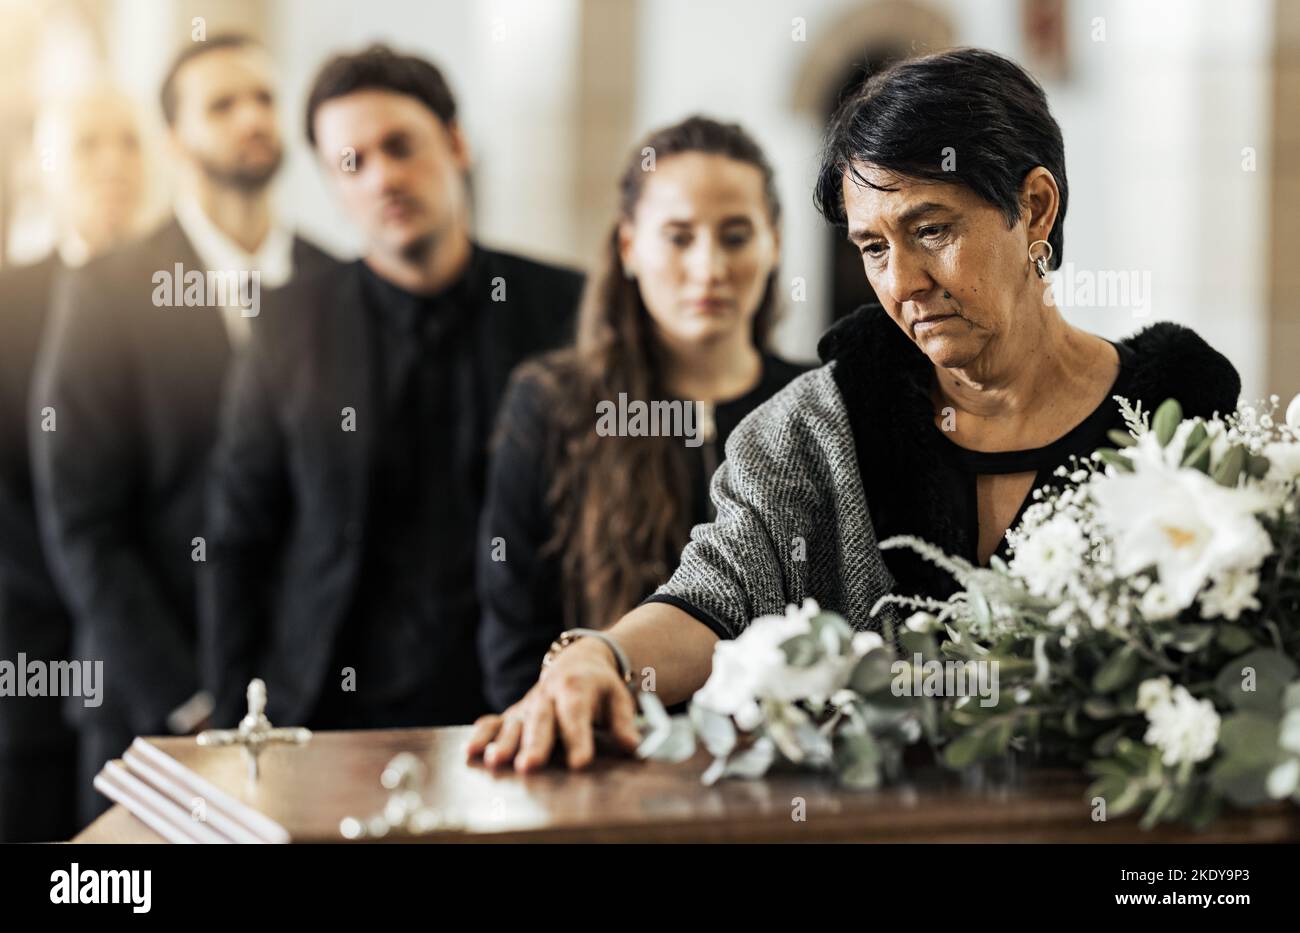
(308, 790)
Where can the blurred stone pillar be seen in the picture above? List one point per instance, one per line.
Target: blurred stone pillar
(1284, 227)
(607, 74)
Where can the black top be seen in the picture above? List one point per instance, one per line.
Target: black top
(918, 482)
(1080, 442)
(521, 589)
(426, 480)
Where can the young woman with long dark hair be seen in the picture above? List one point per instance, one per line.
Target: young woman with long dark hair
(587, 512)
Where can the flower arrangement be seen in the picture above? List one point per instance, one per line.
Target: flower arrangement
(803, 689)
(1146, 629)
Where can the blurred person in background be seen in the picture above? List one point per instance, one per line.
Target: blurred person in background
(132, 369)
(89, 148)
(682, 308)
(349, 476)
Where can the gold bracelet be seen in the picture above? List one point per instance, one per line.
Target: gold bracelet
(569, 637)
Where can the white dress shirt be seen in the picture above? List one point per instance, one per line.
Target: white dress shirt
(273, 259)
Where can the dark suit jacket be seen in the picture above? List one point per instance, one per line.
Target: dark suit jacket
(289, 493)
(32, 618)
(135, 390)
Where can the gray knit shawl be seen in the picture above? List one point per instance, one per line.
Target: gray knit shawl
(792, 519)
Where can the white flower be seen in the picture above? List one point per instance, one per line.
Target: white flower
(1061, 614)
(864, 642)
(1283, 461)
(1050, 557)
(1231, 595)
(1157, 604)
(1184, 524)
(1148, 451)
(1289, 732)
(1283, 778)
(1293, 413)
(752, 667)
(1153, 693)
(1184, 728)
(921, 622)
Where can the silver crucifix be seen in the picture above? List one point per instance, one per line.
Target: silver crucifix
(255, 731)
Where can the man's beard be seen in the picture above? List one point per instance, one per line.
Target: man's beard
(242, 178)
(418, 250)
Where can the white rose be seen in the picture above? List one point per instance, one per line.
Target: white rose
(1183, 523)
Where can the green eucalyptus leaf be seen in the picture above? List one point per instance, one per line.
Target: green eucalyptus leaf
(1114, 459)
(1137, 755)
(1257, 466)
(1099, 708)
(801, 650)
(1105, 743)
(1256, 681)
(1234, 639)
(1250, 737)
(831, 632)
(1121, 438)
(964, 750)
(1242, 782)
(1193, 637)
(1198, 457)
(1118, 670)
(1159, 806)
(1228, 470)
(1167, 418)
(858, 760)
(1128, 799)
(1195, 437)
(1291, 696)
(874, 673)
(921, 643)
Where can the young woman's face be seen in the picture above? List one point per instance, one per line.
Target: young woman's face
(702, 246)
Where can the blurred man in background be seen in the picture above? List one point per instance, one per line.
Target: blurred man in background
(89, 149)
(351, 465)
(132, 370)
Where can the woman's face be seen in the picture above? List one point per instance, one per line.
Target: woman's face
(944, 264)
(702, 245)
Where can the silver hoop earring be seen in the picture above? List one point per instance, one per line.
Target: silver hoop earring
(1040, 262)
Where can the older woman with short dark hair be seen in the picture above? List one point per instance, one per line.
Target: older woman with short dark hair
(935, 414)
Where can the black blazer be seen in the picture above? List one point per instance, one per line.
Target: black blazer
(119, 483)
(287, 505)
